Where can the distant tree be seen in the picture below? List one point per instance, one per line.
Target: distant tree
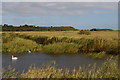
(94, 29)
(5, 25)
(101, 29)
(25, 25)
(10, 25)
(48, 29)
(20, 25)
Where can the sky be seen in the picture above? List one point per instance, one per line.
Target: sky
(60, 0)
(81, 15)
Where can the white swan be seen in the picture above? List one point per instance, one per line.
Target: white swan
(29, 51)
(14, 58)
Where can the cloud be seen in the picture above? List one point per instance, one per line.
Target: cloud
(60, 0)
(55, 8)
(101, 12)
(0, 13)
(0, 8)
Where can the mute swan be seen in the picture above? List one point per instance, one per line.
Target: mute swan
(14, 58)
(29, 51)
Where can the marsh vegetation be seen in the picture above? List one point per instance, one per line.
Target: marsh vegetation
(97, 45)
(15, 42)
(108, 69)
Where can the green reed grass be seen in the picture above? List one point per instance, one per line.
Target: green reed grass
(9, 72)
(20, 45)
(59, 48)
(97, 55)
(16, 42)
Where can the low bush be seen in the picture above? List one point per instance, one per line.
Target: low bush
(84, 32)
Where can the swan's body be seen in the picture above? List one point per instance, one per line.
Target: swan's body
(14, 58)
(29, 51)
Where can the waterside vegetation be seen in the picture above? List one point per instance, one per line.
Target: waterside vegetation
(91, 43)
(15, 42)
(109, 69)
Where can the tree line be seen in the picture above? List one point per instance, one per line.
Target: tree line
(26, 27)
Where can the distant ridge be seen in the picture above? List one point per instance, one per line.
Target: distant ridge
(6, 27)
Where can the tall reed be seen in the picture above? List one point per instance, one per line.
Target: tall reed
(109, 69)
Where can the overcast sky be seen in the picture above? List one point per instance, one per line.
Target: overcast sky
(81, 15)
(60, 0)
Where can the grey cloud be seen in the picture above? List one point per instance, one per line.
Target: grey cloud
(60, 0)
(101, 12)
(57, 8)
(0, 8)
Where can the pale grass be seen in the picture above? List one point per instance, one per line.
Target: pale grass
(110, 35)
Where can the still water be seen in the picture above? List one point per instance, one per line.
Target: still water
(37, 59)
